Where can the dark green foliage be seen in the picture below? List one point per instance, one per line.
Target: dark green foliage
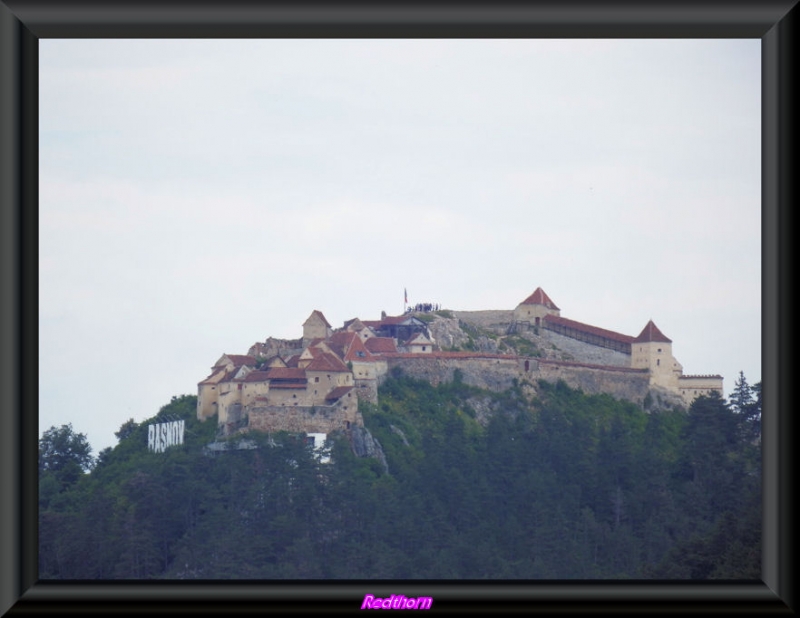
(567, 486)
(127, 428)
(718, 472)
(64, 457)
(60, 448)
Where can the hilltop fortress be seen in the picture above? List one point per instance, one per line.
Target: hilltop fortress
(313, 384)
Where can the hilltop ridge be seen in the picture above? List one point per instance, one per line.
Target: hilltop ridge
(314, 383)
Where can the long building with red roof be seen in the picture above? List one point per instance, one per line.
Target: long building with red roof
(650, 350)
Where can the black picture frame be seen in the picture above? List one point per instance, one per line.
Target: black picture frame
(23, 23)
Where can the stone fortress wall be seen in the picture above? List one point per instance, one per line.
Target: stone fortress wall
(498, 373)
(298, 419)
(586, 352)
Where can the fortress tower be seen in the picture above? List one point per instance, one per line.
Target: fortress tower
(653, 350)
(316, 327)
(533, 309)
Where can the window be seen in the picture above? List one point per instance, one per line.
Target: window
(658, 362)
(659, 350)
(316, 379)
(424, 348)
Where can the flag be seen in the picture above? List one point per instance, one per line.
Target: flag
(405, 295)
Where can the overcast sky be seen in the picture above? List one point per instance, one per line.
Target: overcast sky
(197, 196)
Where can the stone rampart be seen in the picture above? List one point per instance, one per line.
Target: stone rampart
(367, 390)
(298, 419)
(492, 372)
(620, 382)
(498, 372)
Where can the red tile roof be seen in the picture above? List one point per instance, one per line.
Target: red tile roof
(423, 340)
(340, 342)
(257, 376)
(286, 373)
(318, 314)
(327, 362)
(338, 393)
(214, 374)
(241, 359)
(356, 323)
(540, 298)
(651, 333)
(380, 345)
(589, 329)
(231, 376)
(357, 351)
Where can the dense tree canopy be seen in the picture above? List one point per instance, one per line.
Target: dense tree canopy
(561, 486)
(64, 456)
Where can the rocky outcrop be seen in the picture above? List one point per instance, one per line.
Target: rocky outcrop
(658, 399)
(400, 433)
(447, 333)
(365, 445)
(276, 347)
(495, 321)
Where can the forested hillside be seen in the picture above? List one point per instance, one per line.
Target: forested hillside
(561, 487)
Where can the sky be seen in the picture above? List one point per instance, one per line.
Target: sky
(198, 196)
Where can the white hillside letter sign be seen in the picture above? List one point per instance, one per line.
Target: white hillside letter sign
(163, 435)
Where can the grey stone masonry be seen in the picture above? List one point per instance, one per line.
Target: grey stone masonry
(586, 352)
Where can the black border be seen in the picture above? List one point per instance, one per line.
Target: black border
(22, 23)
